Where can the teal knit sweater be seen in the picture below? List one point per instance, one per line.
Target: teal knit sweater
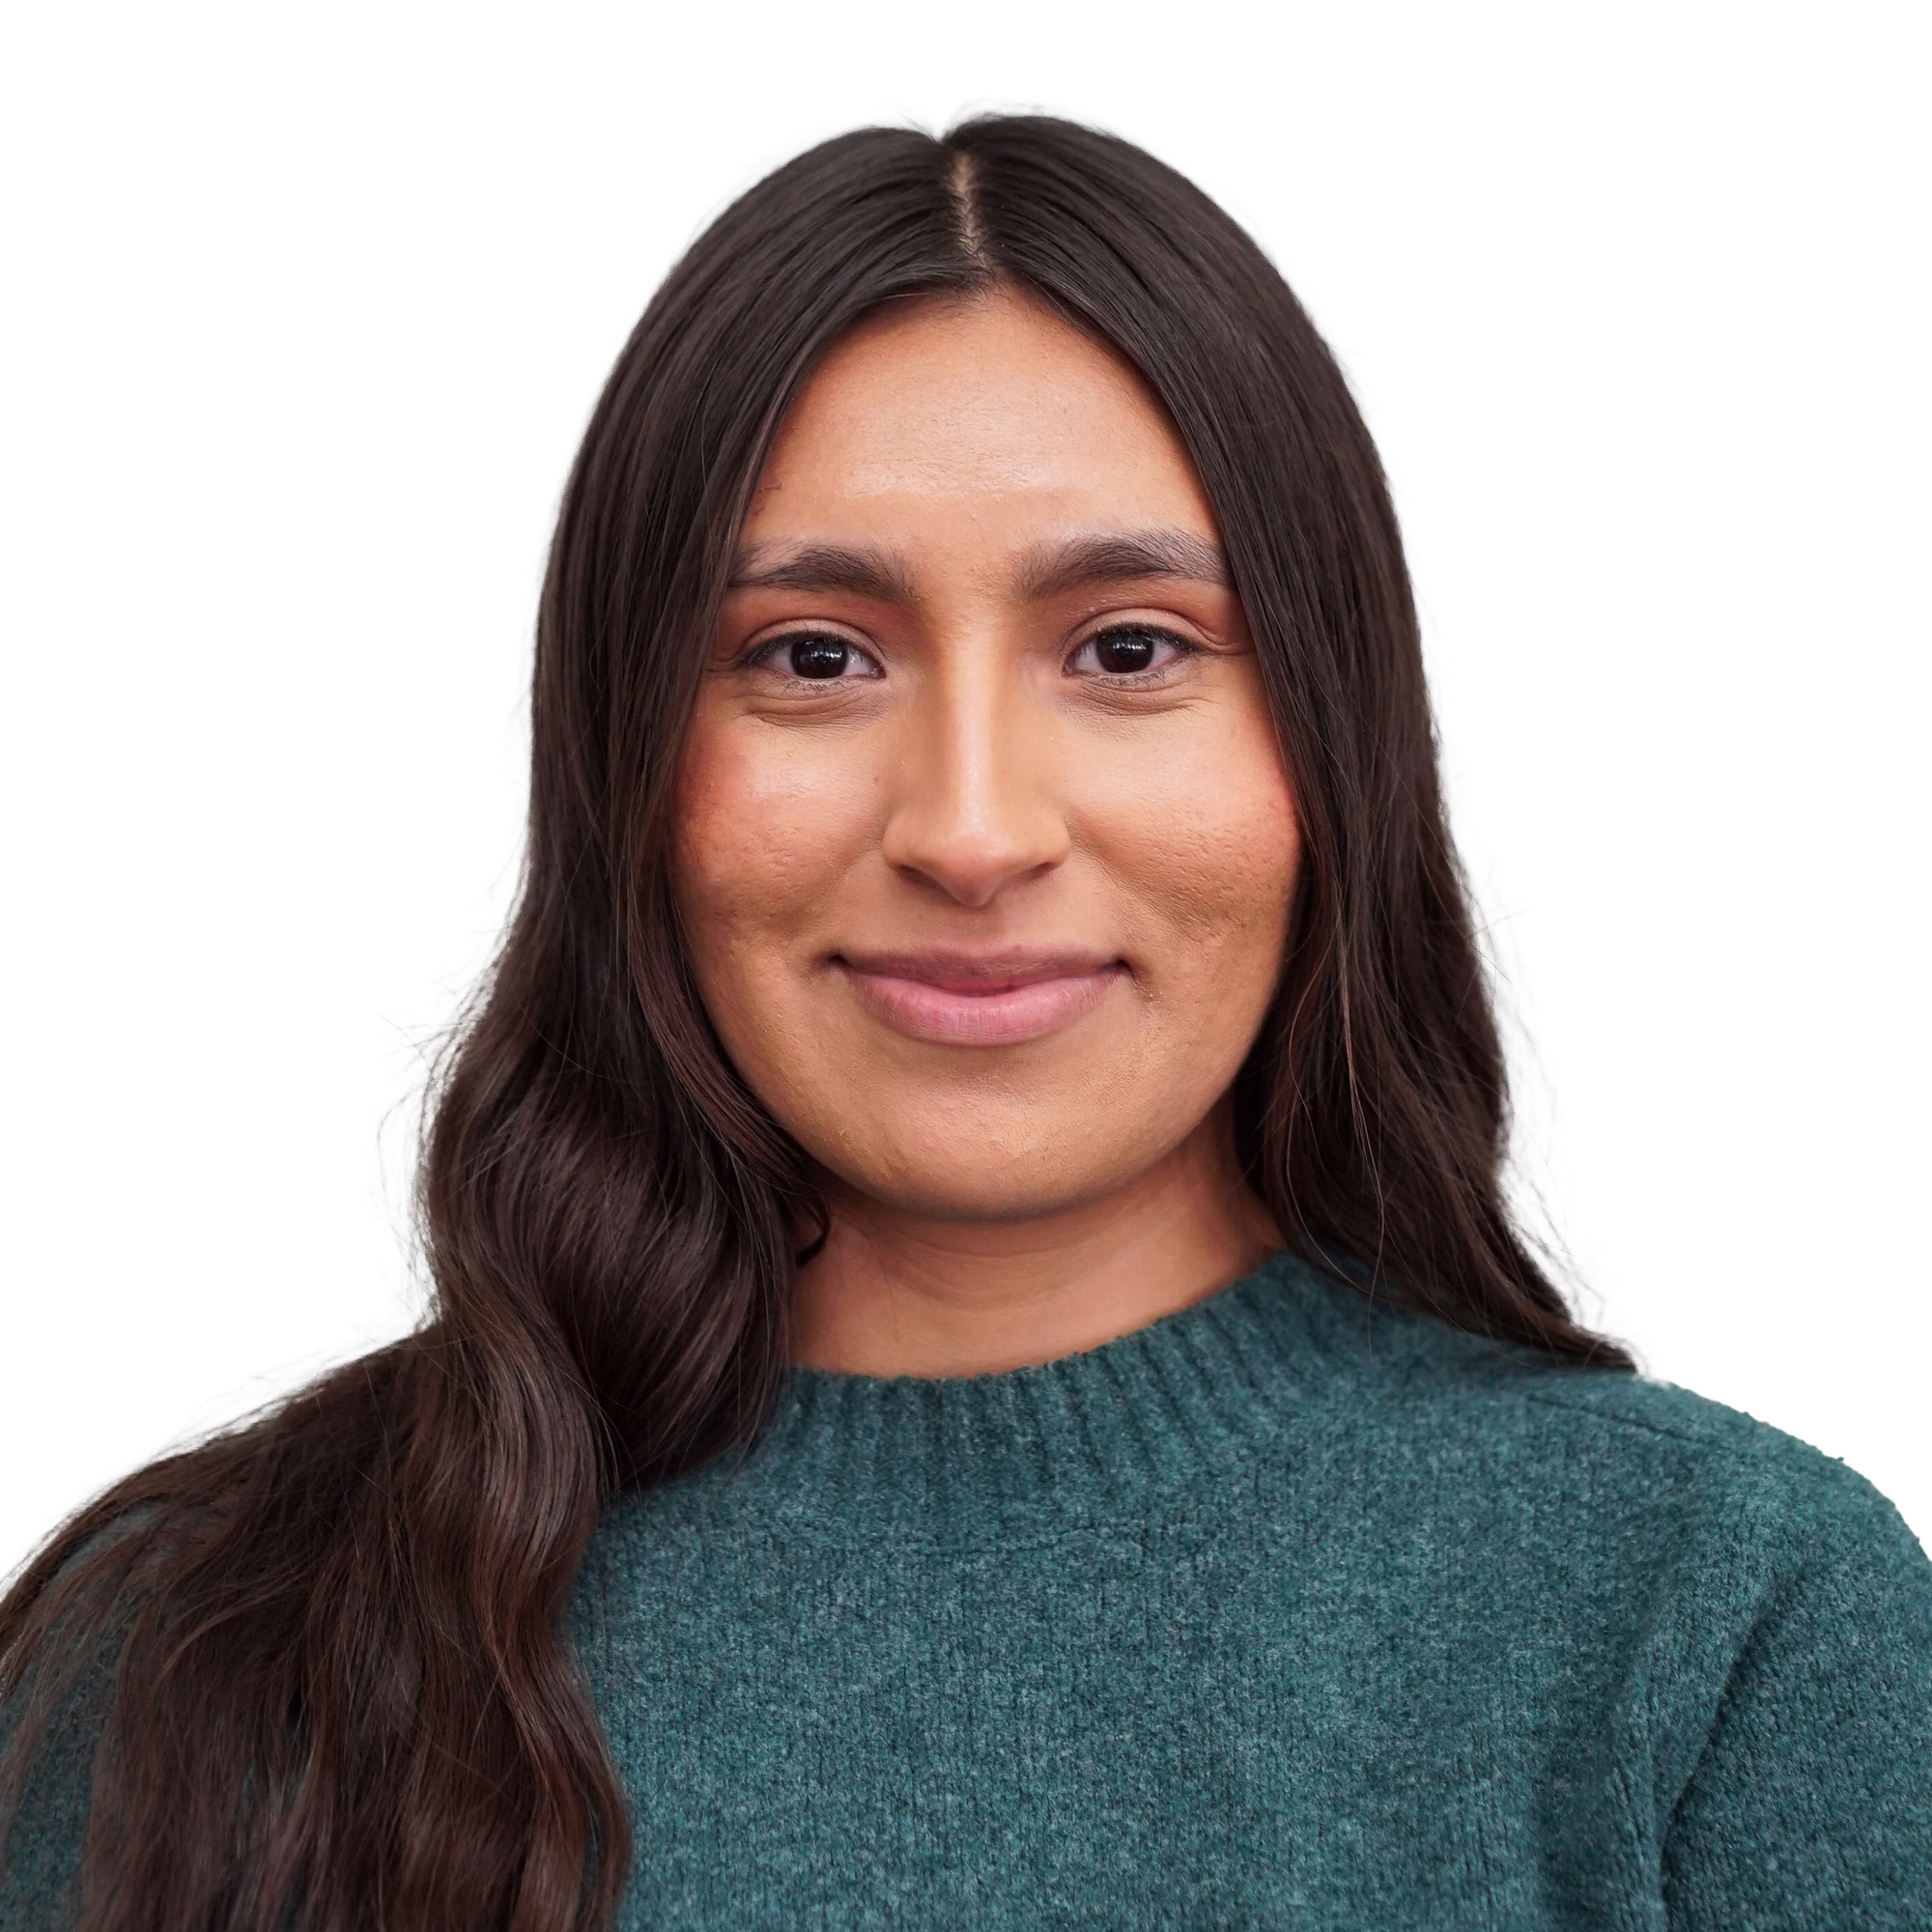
(1286, 1611)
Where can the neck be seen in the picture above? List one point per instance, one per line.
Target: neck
(895, 1293)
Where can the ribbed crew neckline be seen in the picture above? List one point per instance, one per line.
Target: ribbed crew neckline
(1188, 1398)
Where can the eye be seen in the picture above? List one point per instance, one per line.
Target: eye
(1129, 650)
(817, 656)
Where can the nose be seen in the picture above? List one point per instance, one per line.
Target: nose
(975, 810)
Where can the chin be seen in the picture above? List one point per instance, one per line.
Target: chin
(986, 1170)
(981, 1196)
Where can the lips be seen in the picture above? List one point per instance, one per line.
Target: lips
(986, 1000)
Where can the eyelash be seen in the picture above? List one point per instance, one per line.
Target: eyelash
(768, 652)
(1114, 680)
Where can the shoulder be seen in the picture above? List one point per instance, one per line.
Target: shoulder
(1760, 1612)
(40, 1857)
(1613, 1454)
(46, 1783)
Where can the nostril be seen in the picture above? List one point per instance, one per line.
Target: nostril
(973, 862)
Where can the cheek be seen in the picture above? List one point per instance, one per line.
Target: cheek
(1211, 844)
(765, 831)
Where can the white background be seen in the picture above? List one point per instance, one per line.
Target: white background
(307, 307)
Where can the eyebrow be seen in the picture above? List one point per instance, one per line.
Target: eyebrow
(1047, 570)
(863, 570)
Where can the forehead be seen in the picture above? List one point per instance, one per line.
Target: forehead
(990, 406)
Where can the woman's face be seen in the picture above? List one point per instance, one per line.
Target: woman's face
(984, 847)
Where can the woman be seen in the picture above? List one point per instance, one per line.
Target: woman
(981, 1372)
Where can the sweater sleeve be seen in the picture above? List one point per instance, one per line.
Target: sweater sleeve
(1810, 1807)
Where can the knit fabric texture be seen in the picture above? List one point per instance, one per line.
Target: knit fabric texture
(1286, 1611)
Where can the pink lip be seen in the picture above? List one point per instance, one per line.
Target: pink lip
(988, 1000)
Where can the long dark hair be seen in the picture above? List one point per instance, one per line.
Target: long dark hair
(325, 1648)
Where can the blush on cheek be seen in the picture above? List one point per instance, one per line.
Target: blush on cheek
(773, 829)
(745, 832)
(732, 880)
(1212, 847)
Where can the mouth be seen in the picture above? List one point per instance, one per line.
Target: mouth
(959, 999)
